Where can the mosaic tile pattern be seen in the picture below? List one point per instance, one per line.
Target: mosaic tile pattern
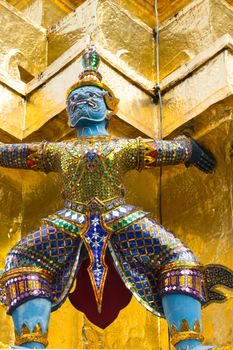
(49, 249)
(95, 240)
(166, 152)
(139, 252)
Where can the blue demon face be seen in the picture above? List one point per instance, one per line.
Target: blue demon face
(86, 106)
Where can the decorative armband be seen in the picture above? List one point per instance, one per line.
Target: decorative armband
(185, 333)
(158, 153)
(27, 337)
(35, 156)
(26, 286)
(186, 280)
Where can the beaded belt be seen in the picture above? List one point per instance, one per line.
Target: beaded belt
(95, 205)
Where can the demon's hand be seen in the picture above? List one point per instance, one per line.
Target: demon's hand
(200, 158)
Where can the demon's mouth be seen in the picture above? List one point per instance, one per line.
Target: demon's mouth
(81, 102)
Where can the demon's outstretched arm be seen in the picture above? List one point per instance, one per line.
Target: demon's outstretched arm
(182, 149)
(33, 156)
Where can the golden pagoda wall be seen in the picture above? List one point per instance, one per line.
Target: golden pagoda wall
(27, 35)
(202, 214)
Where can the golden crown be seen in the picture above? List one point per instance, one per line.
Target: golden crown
(91, 76)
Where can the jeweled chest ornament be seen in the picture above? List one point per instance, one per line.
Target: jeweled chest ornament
(92, 158)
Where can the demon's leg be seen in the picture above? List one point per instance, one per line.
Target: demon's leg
(37, 272)
(164, 275)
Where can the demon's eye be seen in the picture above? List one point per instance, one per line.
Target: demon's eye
(74, 97)
(91, 94)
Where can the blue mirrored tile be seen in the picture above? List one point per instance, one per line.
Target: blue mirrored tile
(66, 273)
(132, 244)
(146, 234)
(122, 236)
(75, 243)
(141, 251)
(140, 242)
(138, 234)
(61, 243)
(124, 245)
(157, 249)
(149, 250)
(129, 257)
(141, 270)
(61, 259)
(69, 250)
(148, 242)
(126, 266)
(136, 279)
(145, 258)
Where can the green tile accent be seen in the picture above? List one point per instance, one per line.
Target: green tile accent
(64, 224)
(128, 220)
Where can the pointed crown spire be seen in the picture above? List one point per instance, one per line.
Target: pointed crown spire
(91, 76)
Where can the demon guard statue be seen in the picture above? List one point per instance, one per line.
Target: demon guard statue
(96, 225)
